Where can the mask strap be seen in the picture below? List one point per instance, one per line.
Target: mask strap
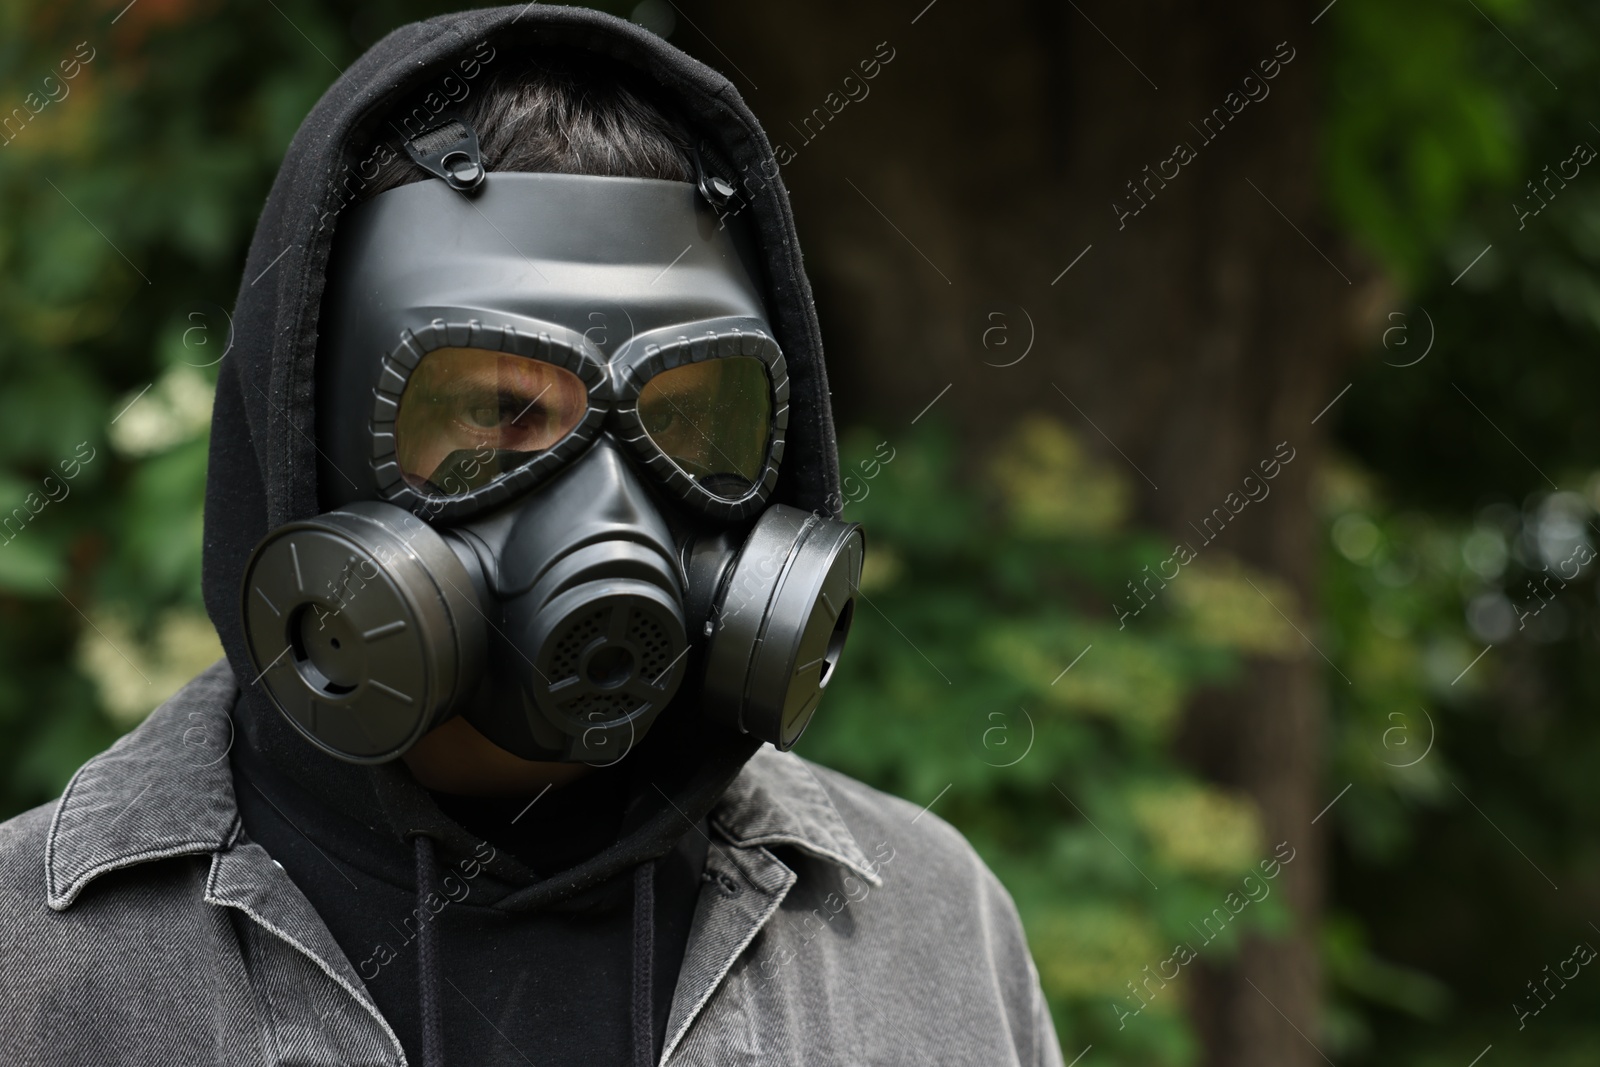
(449, 150)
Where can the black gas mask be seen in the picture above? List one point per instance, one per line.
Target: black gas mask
(551, 415)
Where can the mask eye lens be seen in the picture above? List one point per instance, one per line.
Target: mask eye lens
(712, 419)
(468, 415)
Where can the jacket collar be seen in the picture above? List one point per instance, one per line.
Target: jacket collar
(778, 800)
(166, 789)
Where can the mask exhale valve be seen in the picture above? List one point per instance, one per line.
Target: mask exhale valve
(593, 610)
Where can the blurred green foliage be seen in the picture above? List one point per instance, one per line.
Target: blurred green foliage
(988, 677)
(1467, 475)
(1458, 529)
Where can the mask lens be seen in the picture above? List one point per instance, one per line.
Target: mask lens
(712, 419)
(468, 415)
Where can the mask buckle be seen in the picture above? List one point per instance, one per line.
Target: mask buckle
(449, 150)
(718, 191)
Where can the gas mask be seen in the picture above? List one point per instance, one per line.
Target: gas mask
(550, 415)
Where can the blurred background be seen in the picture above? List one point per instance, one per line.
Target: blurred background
(1217, 396)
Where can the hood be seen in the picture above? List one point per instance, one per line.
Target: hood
(263, 459)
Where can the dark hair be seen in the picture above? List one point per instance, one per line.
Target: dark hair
(557, 115)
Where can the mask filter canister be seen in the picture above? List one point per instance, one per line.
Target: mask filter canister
(364, 626)
(783, 608)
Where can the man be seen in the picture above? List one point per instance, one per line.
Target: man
(520, 539)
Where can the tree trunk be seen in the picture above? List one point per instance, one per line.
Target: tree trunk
(970, 185)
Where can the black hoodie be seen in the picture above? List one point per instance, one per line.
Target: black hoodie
(511, 917)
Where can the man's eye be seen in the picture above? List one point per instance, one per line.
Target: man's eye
(485, 416)
(661, 420)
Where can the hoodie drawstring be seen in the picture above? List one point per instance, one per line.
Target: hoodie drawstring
(427, 956)
(644, 946)
(644, 928)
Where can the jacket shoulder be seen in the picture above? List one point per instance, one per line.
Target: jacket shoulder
(22, 849)
(874, 816)
(103, 889)
(940, 912)
(929, 863)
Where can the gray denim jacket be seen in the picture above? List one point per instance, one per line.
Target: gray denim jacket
(137, 927)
